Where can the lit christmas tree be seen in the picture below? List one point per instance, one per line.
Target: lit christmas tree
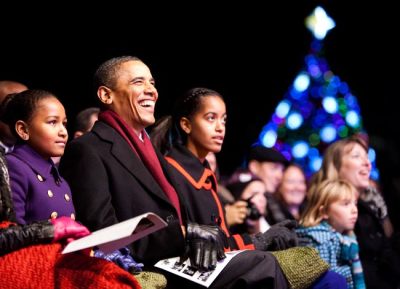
(317, 110)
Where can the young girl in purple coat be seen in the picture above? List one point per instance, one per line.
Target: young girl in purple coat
(38, 120)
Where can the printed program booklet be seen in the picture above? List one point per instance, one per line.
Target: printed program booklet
(119, 235)
(186, 271)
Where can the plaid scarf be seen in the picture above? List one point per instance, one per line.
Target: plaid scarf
(350, 252)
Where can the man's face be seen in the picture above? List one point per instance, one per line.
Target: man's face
(134, 95)
(270, 172)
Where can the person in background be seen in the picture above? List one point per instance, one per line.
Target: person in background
(268, 164)
(328, 223)
(7, 138)
(85, 120)
(250, 189)
(347, 159)
(290, 195)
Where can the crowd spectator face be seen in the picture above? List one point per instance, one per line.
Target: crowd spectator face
(334, 201)
(355, 166)
(256, 191)
(270, 172)
(345, 159)
(293, 188)
(84, 120)
(342, 213)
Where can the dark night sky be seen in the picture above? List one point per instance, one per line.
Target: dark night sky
(248, 52)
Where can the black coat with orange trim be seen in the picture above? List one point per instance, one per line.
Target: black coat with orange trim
(198, 186)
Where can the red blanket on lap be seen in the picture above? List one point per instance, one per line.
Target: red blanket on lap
(43, 266)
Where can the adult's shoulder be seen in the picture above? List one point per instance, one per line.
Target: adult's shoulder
(86, 140)
(101, 132)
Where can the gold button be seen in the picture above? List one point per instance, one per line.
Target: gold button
(40, 178)
(54, 215)
(50, 193)
(73, 216)
(67, 198)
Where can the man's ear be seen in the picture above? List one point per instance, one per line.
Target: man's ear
(21, 128)
(104, 94)
(185, 125)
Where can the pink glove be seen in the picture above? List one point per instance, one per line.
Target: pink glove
(66, 228)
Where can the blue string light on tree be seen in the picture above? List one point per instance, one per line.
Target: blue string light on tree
(317, 109)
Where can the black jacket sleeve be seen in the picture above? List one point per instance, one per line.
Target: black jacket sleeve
(16, 237)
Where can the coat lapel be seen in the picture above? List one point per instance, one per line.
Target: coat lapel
(123, 153)
(170, 177)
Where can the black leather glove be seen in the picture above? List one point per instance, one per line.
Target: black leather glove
(204, 246)
(279, 237)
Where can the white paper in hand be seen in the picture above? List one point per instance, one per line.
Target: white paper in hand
(119, 235)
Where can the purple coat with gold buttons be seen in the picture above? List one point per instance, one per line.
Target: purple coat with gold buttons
(38, 190)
